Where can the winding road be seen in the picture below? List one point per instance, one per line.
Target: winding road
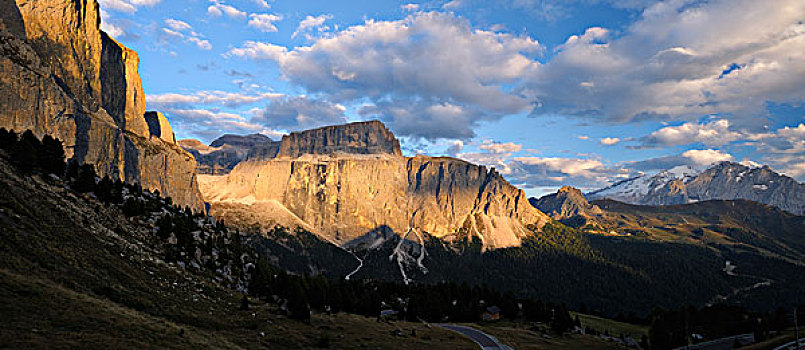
(485, 341)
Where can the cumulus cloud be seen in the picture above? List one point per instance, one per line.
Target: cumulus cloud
(177, 25)
(180, 30)
(498, 147)
(609, 141)
(262, 3)
(707, 156)
(552, 172)
(112, 29)
(410, 7)
(299, 113)
(218, 9)
(264, 21)
(209, 124)
(432, 63)
(713, 133)
(693, 158)
(230, 99)
(311, 22)
(675, 61)
(784, 150)
(127, 6)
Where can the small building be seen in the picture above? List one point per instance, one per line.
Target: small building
(492, 313)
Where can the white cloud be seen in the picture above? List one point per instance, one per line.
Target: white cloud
(127, 6)
(429, 75)
(230, 99)
(497, 147)
(179, 30)
(201, 43)
(262, 3)
(706, 157)
(218, 9)
(259, 51)
(264, 21)
(410, 7)
(713, 133)
(112, 29)
(311, 22)
(609, 141)
(177, 25)
(681, 60)
(452, 5)
(299, 113)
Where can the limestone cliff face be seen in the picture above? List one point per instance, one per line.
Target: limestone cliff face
(344, 197)
(228, 150)
(566, 203)
(370, 137)
(60, 75)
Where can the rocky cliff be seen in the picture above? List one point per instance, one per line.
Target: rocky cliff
(566, 203)
(369, 137)
(228, 150)
(722, 181)
(61, 75)
(351, 197)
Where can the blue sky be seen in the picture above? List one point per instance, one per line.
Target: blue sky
(580, 92)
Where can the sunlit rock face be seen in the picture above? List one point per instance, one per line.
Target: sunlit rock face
(61, 75)
(370, 137)
(220, 156)
(344, 196)
(566, 203)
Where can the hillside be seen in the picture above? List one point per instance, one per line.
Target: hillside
(77, 271)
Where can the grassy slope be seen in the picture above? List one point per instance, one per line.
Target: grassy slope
(74, 273)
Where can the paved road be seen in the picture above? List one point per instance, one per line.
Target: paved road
(791, 345)
(485, 341)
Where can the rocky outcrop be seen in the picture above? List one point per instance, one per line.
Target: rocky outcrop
(346, 197)
(227, 151)
(158, 127)
(566, 203)
(224, 153)
(369, 137)
(58, 75)
(722, 181)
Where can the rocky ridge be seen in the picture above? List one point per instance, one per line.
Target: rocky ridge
(220, 156)
(62, 76)
(350, 183)
(566, 203)
(722, 181)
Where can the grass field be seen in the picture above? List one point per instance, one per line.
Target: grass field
(614, 328)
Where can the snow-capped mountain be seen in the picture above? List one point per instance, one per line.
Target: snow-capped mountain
(635, 190)
(725, 180)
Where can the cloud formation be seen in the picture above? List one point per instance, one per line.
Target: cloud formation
(264, 21)
(311, 22)
(429, 69)
(675, 61)
(299, 113)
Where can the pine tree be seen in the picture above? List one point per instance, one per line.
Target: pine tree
(25, 152)
(85, 182)
(52, 156)
(7, 139)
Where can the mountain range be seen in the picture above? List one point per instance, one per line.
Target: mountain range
(151, 234)
(721, 181)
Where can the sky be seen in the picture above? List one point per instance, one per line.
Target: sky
(550, 93)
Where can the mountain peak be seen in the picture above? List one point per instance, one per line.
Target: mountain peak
(368, 137)
(566, 203)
